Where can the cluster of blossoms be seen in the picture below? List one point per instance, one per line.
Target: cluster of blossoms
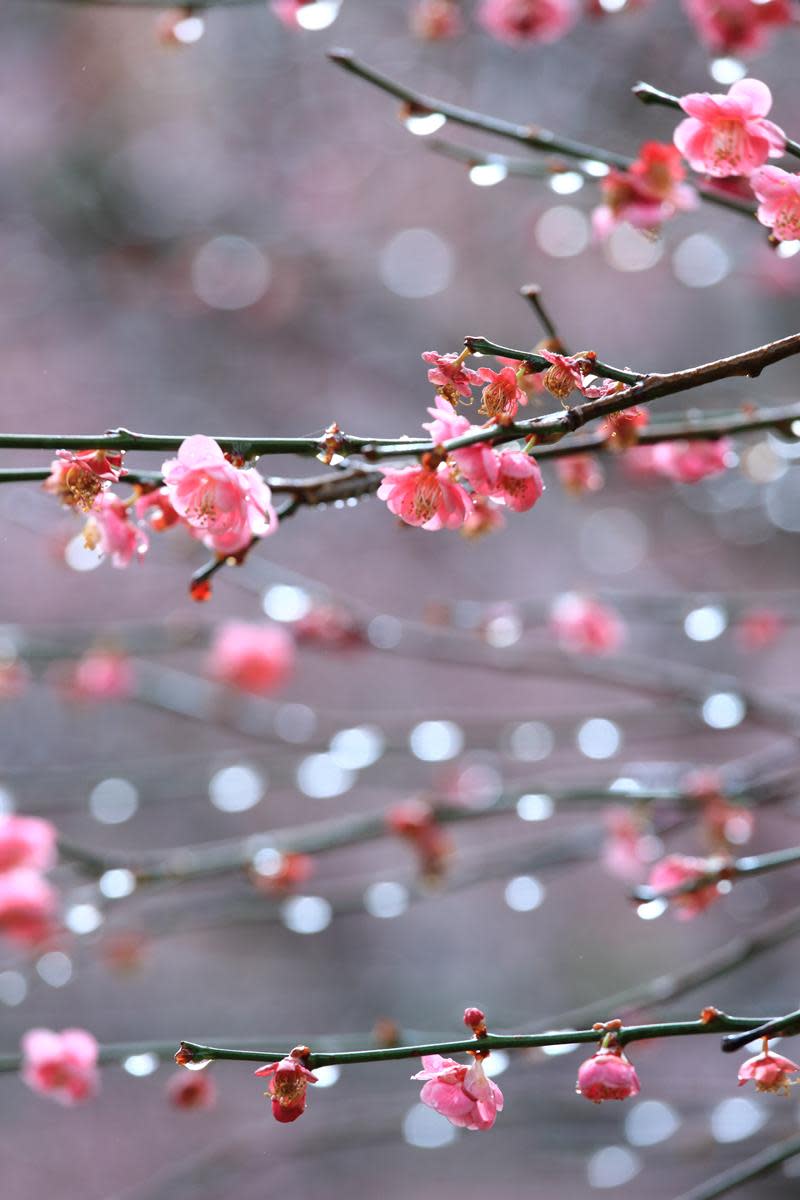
(730, 137)
(515, 22)
(725, 137)
(28, 902)
(222, 503)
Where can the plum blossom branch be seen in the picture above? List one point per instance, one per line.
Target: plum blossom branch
(653, 95)
(751, 864)
(718, 1023)
(532, 136)
(751, 1168)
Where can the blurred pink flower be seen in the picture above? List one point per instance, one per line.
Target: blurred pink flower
(195, 1090)
(110, 530)
(770, 1072)
(621, 429)
(486, 517)
(517, 21)
(436, 20)
(417, 823)
(737, 26)
(102, 675)
(778, 194)
(255, 658)
(729, 135)
(585, 626)
(462, 1094)
(678, 869)
(288, 1081)
(224, 505)
(26, 842)
(28, 906)
(422, 496)
(630, 844)
(647, 194)
(288, 871)
(607, 1075)
(579, 473)
(60, 1065)
(758, 628)
(691, 461)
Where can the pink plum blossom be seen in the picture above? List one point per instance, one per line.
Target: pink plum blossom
(287, 10)
(110, 530)
(60, 1065)
(648, 193)
(226, 506)
(424, 496)
(629, 844)
(770, 1072)
(255, 658)
(607, 1075)
(450, 376)
(77, 479)
(737, 26)
(436, 20)
(28, 906)
(462, 1094)
(519, 21)
(502, 395)
(584, 626)
(678, 869)
(26, 842)
(579, 473)
(564, 374)
(729, 135)
(446, 423)
(288, 1081)
(778, 195)
(519, 480)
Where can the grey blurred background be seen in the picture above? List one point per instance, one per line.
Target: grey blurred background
(237, 238)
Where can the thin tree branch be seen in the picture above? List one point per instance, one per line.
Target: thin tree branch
(752, 1168)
